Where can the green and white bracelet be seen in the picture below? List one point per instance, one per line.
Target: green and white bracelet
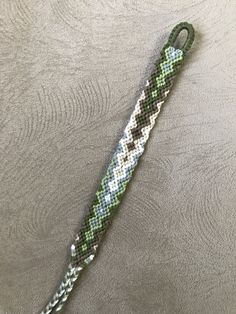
(129, 150)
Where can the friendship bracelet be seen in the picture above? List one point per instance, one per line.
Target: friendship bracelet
(124, 160)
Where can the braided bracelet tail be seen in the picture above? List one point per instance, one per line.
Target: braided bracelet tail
(63, 290)
(129, 149)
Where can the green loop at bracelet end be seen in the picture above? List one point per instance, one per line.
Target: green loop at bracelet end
(175, 33)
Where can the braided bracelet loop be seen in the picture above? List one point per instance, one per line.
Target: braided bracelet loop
(175, 33)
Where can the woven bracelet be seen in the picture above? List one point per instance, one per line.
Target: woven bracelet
(124, 160)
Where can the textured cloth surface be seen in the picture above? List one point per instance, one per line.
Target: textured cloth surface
(70, 75)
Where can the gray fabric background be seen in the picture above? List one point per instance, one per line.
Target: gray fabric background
(70, 73)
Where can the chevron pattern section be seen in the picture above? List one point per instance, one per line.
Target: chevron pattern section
(127, 154)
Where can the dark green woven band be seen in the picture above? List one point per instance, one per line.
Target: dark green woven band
(129, 150)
